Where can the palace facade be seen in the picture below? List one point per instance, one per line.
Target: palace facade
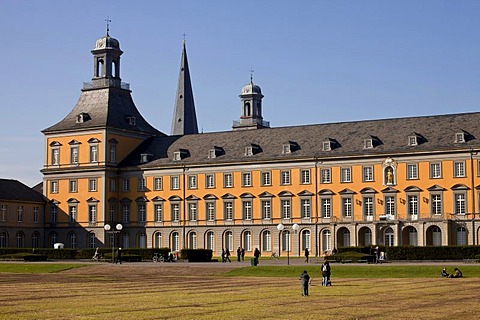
(404, 181)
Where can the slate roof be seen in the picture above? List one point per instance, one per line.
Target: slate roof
(106, 107)
(14, 190)
(438, 134)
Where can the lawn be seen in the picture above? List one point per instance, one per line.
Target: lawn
(219, 291)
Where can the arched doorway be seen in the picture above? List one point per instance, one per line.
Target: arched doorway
(365, 237)
(410, 236)
(343, 237)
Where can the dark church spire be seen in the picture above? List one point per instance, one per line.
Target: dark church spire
(184, 116)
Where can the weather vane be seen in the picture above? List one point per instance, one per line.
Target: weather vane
(251, 75)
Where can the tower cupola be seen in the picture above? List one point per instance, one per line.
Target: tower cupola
(106, 63)
(251, 113)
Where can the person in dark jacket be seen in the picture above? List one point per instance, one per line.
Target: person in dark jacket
(227, 255)
(256, 255)
(305, 278)
(119, 256)
(307, 254)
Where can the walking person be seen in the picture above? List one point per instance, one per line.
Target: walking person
(239, 254)
(305, 278)
(326, 274)
(243, 254)
(223, 255)
(227, 255)
(307, 253)
(256, 255)
(119, 256)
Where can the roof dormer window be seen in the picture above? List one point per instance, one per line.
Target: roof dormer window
(413, 140)
(180, 154)
(290, 147)
(368, 143)
(82, 117)
(327, 145)
(131, 120)
(145, 157)
(286, 149)
(211, 154)
(215, 152)
(460, 137)
(177, 156)
(249, 151)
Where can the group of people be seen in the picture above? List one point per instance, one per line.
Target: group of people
(240, 254)
(306, 280)
(456, 273)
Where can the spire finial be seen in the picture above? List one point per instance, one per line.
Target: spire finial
(108, 24)
(251, 75)
(184, 37)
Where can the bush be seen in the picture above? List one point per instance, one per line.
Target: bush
(197, 255)
(35, 257)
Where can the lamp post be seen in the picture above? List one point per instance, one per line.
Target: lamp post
(111, 231)
(280, 228)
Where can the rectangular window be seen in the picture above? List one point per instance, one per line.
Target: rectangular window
(92, 213)
(94, 153)
(347, 207)
(141, 184)
(247, 179)
(175, 183)
(53, 214)
(92, 185)
(54, 186)
(192, 211)
(305, 176)
(368, 207)
(55, 157)
(142, 212)
(175, 212)
(126, 213)
(113, 185)
(35, 214)
(72, 185)
(412, 205)
(306, 208)
(126, 185)
(157, 183)
(390, 205)
(113, 212)
(435, 170)
(266, 178)
(211, 211)
(158, 208)
(367, 174)
(247, 210)
(326, 208)
(459, 167)
(286, 209)
(346, 175)
(285, 177)
(3, 212)
(20, 214)
(74, 155)
(228, 180)
(266, 209)
(460, 203)
(228, 210)
(412, 171)
(436, 204)
(72, 214)
(325, 176)
(209, 181)
(113, 153)
(192, 182)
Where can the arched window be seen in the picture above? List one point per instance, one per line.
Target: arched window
(175, 241)
(266, 241)
(286, 238)
(3, 239)
(229, 240)
(413, 236)
(247, 241)
(326, 240)
(53, 238)
(92, 240)
(461, 236)
(126, 240)
(210, 240)
(20, 239)
(158, 239)
(99, 68)
(389, 237)
(73, 240)
(436, 236)
(142, 240)
(192, 240)
(306, 240)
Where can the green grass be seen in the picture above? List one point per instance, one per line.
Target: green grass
(37, 267)
(354, 271)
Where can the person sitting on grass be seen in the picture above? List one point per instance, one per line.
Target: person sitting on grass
(444, 273)
(456, 274)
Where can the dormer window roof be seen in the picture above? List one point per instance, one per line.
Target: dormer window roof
(145, 157)
(460, 137)
(328, 144)
(131, 120)
(414, 139)
(252, 149)
(215, 152)
(290, 147)
(180, 154)
(83, 117)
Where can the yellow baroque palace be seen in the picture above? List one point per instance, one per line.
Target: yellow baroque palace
(404, 181)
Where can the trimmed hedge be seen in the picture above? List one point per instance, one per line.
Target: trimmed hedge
(196, 255)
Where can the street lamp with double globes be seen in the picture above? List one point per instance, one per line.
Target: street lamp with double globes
(109, 230)
(280, 228)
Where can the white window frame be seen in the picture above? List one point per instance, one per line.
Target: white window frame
(305, 176)
(192, 211)
(460, 203)
(228, 210)
(211, 212)
(141, 184)
(286, 207)
(228, 180)
(435, 170)
(347, 207)
(192, 181)
(247, 210)
(209, 181)
(246, 179)
(346, 174)
(266, 209)
(158, 209)
(174, 183)
(306, 208)
(437, 203)
(412, 171)
(325, 175)
(459, 169)
(175, 212)
(92, 184)
(125, 185)
(367, 173)
(285, 177)
(73, 185)
(326, 205)
(266, 178)
(93, 153)
(157, 183)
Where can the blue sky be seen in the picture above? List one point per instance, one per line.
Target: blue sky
(316, 61)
